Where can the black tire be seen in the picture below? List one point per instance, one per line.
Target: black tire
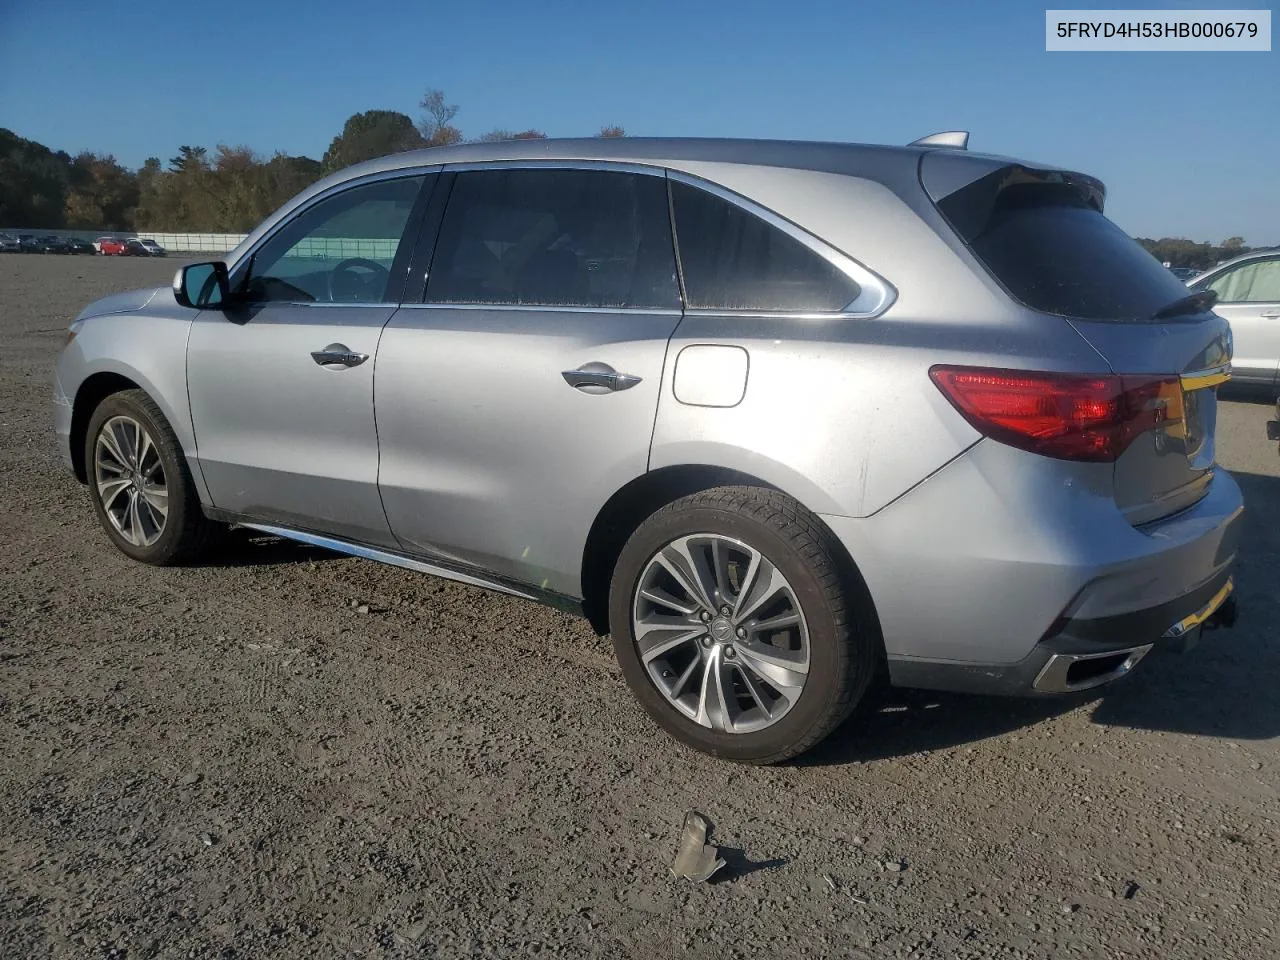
(187, 532)
(845, 645)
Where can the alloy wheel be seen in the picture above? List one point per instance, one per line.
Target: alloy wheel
(130, 482)
(720, 633)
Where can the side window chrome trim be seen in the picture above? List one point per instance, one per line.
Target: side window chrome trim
(326, 305)
(236, 270)
(544, 308)
(875, 294)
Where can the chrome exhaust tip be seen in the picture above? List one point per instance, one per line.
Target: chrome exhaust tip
(1069, 672)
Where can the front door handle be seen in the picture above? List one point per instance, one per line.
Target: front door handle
(597, 378)
(337, 356)
(1270, 314)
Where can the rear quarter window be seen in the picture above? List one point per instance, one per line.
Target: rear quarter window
(1047, 243)
(734, 260)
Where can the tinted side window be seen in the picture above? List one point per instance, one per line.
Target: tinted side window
(733, 260)
(1257, 282)
(338, 251)
(584, 238)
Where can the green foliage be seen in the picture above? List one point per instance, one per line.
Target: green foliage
(495, 136)
(101, 193)
(374, 133)
(33, 183)
(231, 191)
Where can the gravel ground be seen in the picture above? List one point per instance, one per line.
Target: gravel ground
(232, 761)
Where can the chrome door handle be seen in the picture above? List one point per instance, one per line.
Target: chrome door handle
(337, 355)
(1270, 314)
(597, 378)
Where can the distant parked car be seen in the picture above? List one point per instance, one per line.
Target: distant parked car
(1184, 273)
(143, 248)
(9, 244)
(27, 243)
(51, 244)
(111, 247)
(76, 245)
(1248, 290)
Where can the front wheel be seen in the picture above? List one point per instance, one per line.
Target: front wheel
(739, 627)
(141, 488)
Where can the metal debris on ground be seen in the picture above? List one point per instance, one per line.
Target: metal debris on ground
(696, 859)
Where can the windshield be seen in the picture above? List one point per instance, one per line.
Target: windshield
(1046, 241)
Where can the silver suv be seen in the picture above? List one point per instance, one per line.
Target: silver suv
(783, 418)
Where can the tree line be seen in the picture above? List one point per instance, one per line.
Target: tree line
(229, 191)
(1180, 252)
(233, 189)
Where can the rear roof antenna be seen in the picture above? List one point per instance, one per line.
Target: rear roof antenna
(950, 138)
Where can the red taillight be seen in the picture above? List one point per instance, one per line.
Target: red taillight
(1067, 416)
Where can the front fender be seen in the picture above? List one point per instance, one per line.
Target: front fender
(149, 350)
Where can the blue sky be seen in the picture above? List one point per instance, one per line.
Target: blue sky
(1188, 143)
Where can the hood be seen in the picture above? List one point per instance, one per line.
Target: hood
(120, 302)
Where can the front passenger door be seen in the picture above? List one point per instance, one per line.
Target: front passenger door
(281, 380)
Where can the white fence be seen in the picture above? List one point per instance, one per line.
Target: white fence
(193, 242)
(312, 248)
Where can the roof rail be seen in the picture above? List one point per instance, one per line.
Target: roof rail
(950, 138)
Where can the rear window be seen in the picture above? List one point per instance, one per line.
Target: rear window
(1044, 238)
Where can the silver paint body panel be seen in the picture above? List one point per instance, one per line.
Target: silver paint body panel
(280, 437)
(488, 456)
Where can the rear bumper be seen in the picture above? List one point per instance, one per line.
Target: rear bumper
(1003, 560)
(1085, 653)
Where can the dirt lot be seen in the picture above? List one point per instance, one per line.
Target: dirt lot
(231, 761)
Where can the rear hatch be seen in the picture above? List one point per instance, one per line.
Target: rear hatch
(1042, 236)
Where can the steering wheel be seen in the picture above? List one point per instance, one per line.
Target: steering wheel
(348, 285)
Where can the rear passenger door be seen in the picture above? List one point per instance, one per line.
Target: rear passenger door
(521, 393)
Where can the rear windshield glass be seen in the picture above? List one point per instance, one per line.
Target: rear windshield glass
(1053, 250)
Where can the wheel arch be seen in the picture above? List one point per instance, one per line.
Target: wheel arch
(639, 499)
(92, 391)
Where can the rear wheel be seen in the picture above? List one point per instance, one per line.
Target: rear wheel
(738, 627)
(140, 485)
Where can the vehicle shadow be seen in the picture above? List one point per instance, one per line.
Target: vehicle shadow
(1247, 393)
(1224, 687)
(251, 548)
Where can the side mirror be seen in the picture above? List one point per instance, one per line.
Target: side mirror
(202, 285)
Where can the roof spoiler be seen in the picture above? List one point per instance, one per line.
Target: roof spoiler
(959, 139)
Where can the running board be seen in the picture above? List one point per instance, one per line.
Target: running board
(398, 560)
